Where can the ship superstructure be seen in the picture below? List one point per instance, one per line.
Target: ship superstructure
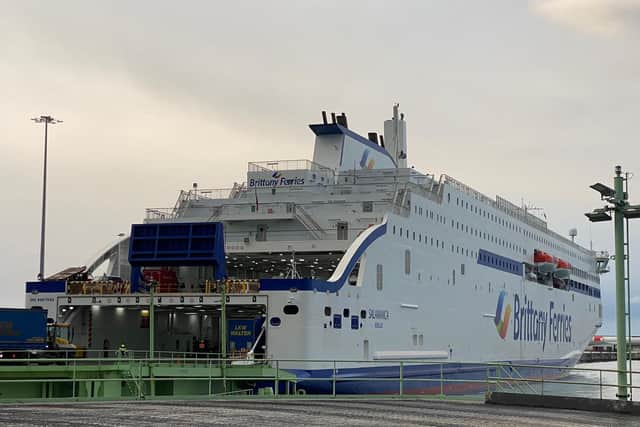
(348, 256)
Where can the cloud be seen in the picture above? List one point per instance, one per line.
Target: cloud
(635, 299)
(600, 17)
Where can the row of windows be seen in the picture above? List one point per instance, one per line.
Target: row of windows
(336, 321)
(584, 289)
(469, 230)
(505, 264)
(517, 228)
(583, 274)
(494, 239)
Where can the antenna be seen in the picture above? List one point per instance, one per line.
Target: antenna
(292, 271)
(529, 209)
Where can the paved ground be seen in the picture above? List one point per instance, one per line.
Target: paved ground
(299, 412)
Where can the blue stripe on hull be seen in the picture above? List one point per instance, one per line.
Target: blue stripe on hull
(449, 378)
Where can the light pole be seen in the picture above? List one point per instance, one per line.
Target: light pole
(621, 208)
(47, 120)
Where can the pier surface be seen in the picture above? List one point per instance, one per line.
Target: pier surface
(318, 412)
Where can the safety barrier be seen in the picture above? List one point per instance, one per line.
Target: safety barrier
(133, 375)
(232, 286)
(101, 287)
(558, 380)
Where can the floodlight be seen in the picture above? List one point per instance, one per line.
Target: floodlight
(598, 215)
(603, 190)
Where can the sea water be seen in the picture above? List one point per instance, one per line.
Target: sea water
(590, 382)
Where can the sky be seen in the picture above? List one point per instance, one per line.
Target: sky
(531, 100)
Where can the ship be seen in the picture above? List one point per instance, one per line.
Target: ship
(341, 265)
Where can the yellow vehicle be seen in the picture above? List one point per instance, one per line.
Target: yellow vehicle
(59, 337)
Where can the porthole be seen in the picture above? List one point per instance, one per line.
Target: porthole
(291, 309)
(275, 321)
(327, 311)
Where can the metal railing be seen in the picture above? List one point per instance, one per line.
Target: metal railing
(133, 375)
(555, 380)
(284, 165)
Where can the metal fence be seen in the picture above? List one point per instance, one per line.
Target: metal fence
(559, 380)
(133, 375)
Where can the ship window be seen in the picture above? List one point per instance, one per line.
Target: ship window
(448, 197)
(327, 311)
(355, 322)
(275, 321)
(291, 309)
(363, 314)
(415, 339)
(273, 191)
(462, 269)
(261, 233)
(345, 312)
(337, 321)
(394, 229)
(454, 277)
(414, 235)
(379, 277)
(343, 231)
(407, 261)
(420, 339)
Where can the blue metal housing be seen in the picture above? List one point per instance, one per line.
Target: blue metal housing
(177, 244)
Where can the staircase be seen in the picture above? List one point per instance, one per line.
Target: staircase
(309, 223)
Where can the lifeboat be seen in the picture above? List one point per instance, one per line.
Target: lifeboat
(563, 269)
(544, 262)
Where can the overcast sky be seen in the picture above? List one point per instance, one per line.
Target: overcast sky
(531, 100)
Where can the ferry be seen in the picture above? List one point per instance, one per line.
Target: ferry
(343, 264)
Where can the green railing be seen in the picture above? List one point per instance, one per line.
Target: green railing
(557, 380)
(195, 375)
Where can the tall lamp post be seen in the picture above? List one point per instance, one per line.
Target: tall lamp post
(618, 203)
(47, 120)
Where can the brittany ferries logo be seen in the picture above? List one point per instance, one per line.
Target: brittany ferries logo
(502, 323)
(275, 180)
(365, 162)
(533, 323)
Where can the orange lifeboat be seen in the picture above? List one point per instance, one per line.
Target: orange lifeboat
(563, 269)
(545, 262)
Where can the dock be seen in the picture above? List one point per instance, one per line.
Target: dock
(604, 356)
(269, 412)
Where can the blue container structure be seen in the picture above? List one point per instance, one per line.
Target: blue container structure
(176, 244)
(242, 333)
(23, 329)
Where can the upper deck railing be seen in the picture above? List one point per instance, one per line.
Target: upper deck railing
(282, 165)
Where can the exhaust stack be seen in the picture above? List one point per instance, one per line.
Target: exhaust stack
(395, 135)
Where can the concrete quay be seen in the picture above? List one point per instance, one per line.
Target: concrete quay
(301, 411)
